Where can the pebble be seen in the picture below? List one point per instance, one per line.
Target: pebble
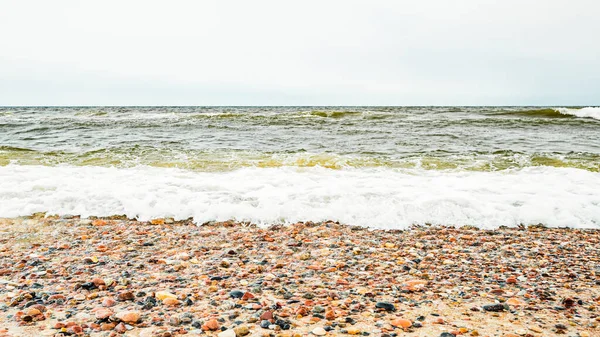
(212, 324)
(227, 333)
(495, 307)
(401, 323)
(241, 331)
(236, 294)
(161, 295)
(109, 302)
(103, 313)
(128, 316)
(386, 306)
(319, 331)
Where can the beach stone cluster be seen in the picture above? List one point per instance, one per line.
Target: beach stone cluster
(67, 276)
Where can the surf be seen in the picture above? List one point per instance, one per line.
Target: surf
(372, 197)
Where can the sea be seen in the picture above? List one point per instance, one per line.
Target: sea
(381, 167)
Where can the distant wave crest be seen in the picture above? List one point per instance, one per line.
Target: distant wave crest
(588, 112)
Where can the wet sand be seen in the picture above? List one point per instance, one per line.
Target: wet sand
(106, 277)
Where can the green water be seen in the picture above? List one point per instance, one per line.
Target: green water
(227, 138)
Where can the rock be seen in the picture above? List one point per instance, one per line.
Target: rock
(247, 296)
(172, 302)
(515, 302)
(447, 334)
(401, 323)
(98, 282)
(161, 295)
(103, 313)
(212, 325)
(76, 329)
(265, 324)
(267, 315)
(330, 315)
(319, 331)
(318, 309)
(107, 326)
(535, 329)
(129, 316)
(227, 333)
(497, 307)
(386, 306)
(120, 328)
(125, 296)
(242, 330)
(174, 321)
(108, 302)
(236, 294)
(82, 317)
(33, 312)
(353, 331)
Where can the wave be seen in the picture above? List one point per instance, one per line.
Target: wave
(589, 112)
(201, 160)
(383, 198)
(335, 114)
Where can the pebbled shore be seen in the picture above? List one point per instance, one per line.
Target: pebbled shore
(108, 277)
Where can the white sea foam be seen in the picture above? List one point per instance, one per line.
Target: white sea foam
(383, 198)
(589, 112)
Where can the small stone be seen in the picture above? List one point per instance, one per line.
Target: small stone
(174, 321)
(82, 317)
(236, 294)
(33, 312)
(103, 313)
(120, 328)
(386, 306)
(128, 316)
(108, 302)
(211, 325)
(515, 302)
(319, 331)
(161, 295)
(242, 330)
(318, 309)
(125, 296)
(172, 302)
(76, 329)
(535, 329)
(265, 324)
(401, 323)
(227, 333)
(497, 307)
(353, 331)
(108, 326)
(447, 334)
(267, 315)
(247, 296)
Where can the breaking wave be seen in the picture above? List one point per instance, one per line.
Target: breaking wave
(377, 197)
(589, 112)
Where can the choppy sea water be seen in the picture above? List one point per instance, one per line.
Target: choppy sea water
(386, 167)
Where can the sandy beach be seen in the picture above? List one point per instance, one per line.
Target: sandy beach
(104, 277)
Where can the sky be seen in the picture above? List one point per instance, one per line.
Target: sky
(326, 52)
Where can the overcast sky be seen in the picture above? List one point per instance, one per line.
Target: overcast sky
(464, 52)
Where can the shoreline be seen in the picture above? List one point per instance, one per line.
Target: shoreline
(107, 276)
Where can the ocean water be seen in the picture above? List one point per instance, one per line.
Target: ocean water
(384, 167)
